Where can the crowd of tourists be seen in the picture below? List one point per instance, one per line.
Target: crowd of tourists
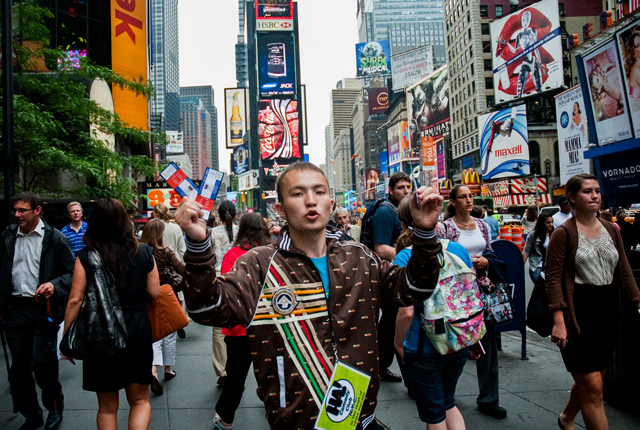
(310, 304)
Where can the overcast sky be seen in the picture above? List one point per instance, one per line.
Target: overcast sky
(328, 33)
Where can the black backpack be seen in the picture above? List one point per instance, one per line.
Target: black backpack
(366, 235)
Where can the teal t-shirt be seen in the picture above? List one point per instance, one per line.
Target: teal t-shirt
(321, 265)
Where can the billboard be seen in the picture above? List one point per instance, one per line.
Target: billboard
(384, 163)
(372, 177)
(373, 58)
(605, 91)
(411, 66)
(278, 129)
(176, 142)
(406, 152)
(504, 143)
(393, 143)
(428, 111)
(240, 159)
(378, 100)
(573, 138)
(274, 9)
(628, 40)
(235, 116)
(276, 64)
(527, 52)
(129, 58)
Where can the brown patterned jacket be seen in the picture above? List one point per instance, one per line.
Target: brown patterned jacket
(295, 331)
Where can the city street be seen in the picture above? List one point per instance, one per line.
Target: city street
(532, 391)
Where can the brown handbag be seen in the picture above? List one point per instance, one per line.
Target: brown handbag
(165, 314)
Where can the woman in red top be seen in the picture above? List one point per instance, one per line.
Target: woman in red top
(252, 232)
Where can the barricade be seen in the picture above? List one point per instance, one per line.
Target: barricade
(516, 237)
(505, 233)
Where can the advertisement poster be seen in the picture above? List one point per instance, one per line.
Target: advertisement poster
(378, 100)
(372, 177)
(628, 40)
(620, 174)
(527, 52)
(278, 129)
(406, 152)
(428, 110)
(393, 142)
(442, 172)
(384, 163)
(504, 143)
(176, 142)
(373, 58)
(240, 161)
(276, 64)
(430, 162)
(606, 91)
(274, 9)
(235, 116)
(573, 138)
(411, 66)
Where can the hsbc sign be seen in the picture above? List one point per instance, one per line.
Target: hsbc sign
(274, 24)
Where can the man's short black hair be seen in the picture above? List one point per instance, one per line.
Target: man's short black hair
(562, 200)
(397, 177)
(28, 197)
(298, 165)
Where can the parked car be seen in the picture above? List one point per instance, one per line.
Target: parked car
(508, 219)
(550, 210)
(632, 212)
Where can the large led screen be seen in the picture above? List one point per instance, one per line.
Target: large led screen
(504, 143)
(278, 129)
(276, 65)
(274, 9)
(527, 52)
(373, 58)
(606, 94)
(628, 40)
(573, 138)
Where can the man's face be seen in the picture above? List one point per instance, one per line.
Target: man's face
(25, 216)
(402, 189)
(306, 203)
(342, 219)
(75, 213)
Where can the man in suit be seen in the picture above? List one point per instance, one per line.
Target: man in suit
(36, 271)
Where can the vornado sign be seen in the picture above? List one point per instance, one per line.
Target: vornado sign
(129, 58)
(274, 24)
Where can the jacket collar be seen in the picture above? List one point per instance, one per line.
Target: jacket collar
(284, 241)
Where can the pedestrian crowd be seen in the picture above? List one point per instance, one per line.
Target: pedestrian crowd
(319, 315)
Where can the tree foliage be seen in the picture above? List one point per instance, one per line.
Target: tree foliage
(58, 153)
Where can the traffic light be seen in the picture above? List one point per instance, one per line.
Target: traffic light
(572, 41)
(586, 31)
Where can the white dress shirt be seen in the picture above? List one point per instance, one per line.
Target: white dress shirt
(25, 274)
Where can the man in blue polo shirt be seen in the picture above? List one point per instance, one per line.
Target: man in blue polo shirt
(76, 228)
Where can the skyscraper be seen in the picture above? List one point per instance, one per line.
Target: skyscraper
(407, 24)
(196, 126)
(165, 72)
(205, 94)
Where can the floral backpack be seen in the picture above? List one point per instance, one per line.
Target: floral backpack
(453, 317)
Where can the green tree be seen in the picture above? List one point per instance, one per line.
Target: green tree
(59, 133)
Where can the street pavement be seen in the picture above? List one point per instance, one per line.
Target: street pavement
(533, 391)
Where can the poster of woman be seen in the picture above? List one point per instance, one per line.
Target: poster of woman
(607, 94)
(628, 40)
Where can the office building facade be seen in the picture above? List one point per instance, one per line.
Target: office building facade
(205, 94)
(196, 126)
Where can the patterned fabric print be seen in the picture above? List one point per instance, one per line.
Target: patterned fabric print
(453, 316)
(289, 306)
(596, 259)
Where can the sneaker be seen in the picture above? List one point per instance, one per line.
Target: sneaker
(182, 334)
(217, 423)
(495, 411)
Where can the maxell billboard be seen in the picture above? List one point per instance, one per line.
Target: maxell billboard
(276, 65)
(504, 143)
(373, 58)
(573, 138)
(411, 66)
(527, 52)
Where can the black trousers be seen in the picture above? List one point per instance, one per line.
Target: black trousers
(238, 364)
(32, 342)
(386, 335)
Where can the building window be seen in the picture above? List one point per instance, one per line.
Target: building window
(490, 101)
(486, 46)
(484, 11)
(488, 66)
(514, 7)
(484, 28)
(472, 71)
(498, 10)
(488, 83)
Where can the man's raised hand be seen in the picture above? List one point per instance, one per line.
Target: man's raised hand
(188, 218)
(426, 207)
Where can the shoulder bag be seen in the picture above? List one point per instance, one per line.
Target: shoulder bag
(165, 314)
(99, 328)
(172, 277)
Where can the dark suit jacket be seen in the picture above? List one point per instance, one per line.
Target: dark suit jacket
(56, 266)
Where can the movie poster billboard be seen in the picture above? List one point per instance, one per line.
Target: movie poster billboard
(372, 177)
(378, 100)
(373, 58)
(573, 138)
(628, 40)
(276, 64)
(526, 49)
(411, 66)
(605, 90)
(504, 143)
(393, 143)
(428, 111)
(278, 129)
(235, 116)
(406, 152)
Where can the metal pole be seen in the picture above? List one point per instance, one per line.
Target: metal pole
(537, 198)
(7, 105)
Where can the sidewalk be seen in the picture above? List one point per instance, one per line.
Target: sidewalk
(533, 392)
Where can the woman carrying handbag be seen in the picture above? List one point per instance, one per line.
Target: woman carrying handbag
(110, 233)
(585, 275)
